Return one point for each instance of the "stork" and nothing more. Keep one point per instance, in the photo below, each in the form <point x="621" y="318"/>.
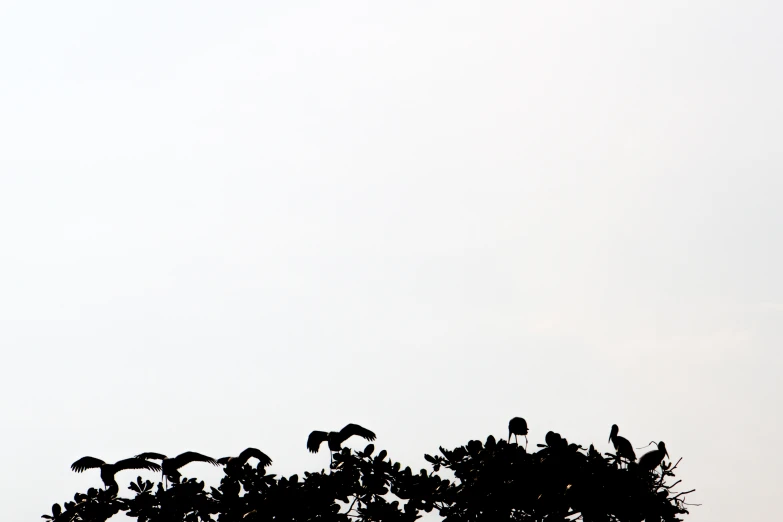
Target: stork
<point x="235" y="463"/>
<point x="517" y="426"/>
<point x="336" y="438"/>
<point x="622" y="446"/>
<point x="170" y="466"/>
<point x="652" y="459"/>
<point x="108" y="470"/>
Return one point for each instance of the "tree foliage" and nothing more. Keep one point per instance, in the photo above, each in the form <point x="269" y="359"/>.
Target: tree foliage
<point x="480" y="481"/>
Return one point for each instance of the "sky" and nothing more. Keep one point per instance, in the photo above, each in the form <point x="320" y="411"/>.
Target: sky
<point x="227" y="225"/>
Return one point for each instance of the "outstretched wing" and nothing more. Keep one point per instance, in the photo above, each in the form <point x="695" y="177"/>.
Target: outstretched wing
<point x="315" y="439"/>
<point x="257" y="453"/>
<point x="192" y="456"/>
<point x="136" y="463"/>
<point x="151" y="455"/>
<point x="355" y="429"/>
<point x="86" y="463"/>
<point x="223" y="461"/>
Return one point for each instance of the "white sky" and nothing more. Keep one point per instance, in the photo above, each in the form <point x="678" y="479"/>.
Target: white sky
<point x="225" y="225"/>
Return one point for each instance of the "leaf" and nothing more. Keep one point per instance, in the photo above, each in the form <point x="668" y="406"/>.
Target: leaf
<point x="430" y="459"/>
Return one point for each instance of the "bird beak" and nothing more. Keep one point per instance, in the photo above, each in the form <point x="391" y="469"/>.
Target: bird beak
<point x="667" y="454"/>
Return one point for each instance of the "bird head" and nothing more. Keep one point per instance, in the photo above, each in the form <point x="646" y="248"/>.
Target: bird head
<point x="662" y="447"/>
<point x="615" y="430"/>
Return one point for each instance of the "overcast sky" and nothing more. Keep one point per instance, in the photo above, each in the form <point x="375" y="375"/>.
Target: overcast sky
<point x="228" y="224"/>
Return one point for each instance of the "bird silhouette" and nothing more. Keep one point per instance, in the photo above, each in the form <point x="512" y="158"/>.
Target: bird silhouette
<point x="652" y="459"/>
<point x="170" y="466"/>
<point x="234" y="463"/>
<point x="336" y="438"/>
<point x="108" y="470"/>
<point x="517" y="426"/>
<point x="622" y="446"/>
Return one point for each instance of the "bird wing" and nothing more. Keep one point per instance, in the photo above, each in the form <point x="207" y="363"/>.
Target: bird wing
<point x="223" y="461"/>
<point x="625" y="448"/>
<point x="192" y="456"/>
<point x="86" y="463"/>
<point x="355" y="429"/>
<point x="136" y="463"/>
<point x="151" y="455"/>
<point x="257" y="453"/>
<point x="315" y="439"/>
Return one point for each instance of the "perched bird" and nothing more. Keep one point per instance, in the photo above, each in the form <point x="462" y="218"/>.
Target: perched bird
<point x="622" y="446"/>
<point x="170" y="466"/>
<point x="652" y="459"/>
<point x="233" y="463"/>
<point x="336" y="438"/>
<point x="108" y="470"/>
<point x="517" y="426"/>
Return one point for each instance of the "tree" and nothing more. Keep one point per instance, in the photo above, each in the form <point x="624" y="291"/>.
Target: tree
<point x="489" y="481"/>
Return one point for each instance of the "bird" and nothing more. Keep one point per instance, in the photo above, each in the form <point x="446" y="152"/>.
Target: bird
<point x="652" y="459"/>
<point x="170" y="466"/>
<point x="233" y="463"/>
<point x="517" y="426"/>
<point x="108" y="470"/>
<point x="336" y="438"/>
<point x="622" y="445"/>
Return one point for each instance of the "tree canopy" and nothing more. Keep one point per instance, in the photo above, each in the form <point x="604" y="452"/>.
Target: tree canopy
<point x="481" y="481"/>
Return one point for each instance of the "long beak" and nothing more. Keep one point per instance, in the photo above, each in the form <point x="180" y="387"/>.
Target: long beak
<point x="610" y="438"/>
<point x="667" y="454"/>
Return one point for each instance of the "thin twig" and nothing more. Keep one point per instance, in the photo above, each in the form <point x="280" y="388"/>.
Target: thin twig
<point x="683" y="493"/>
<point x="355" y="498"/>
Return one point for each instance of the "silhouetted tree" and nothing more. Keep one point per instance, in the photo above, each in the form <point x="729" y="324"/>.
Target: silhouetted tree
<point x="487" y="481"/>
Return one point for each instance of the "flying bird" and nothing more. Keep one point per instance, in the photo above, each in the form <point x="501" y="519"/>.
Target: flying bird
<point x="170" y="466"/>
<point x="622" y="446"/>
<point x="233" y="463"/>
<point x="108" y="470"/>
<point x="517" y="426"/>
<point x="336" y="438"/>
<point x="652" y="459"/>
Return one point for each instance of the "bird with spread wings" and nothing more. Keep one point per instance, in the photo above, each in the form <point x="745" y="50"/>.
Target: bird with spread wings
<point x="336" y="438"/>
<point x="235" y="463"/>
<point x="108" y="470"/>
<point x="170" y="466"/>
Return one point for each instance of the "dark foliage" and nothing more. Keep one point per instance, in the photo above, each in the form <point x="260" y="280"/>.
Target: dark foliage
<point x="490" y="481"/>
